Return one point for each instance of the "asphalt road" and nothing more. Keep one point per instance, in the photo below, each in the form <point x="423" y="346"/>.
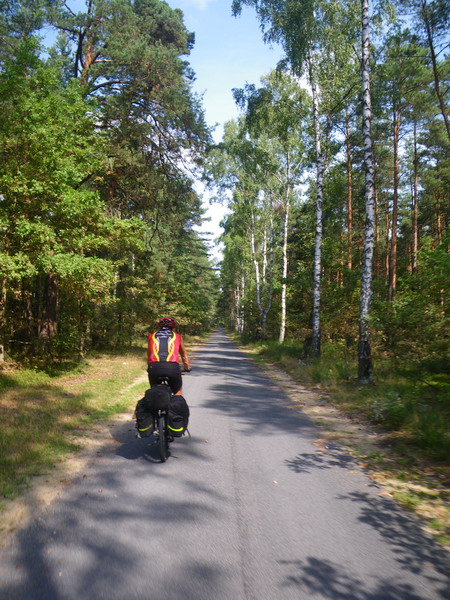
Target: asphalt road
<point x="248" y="508"/>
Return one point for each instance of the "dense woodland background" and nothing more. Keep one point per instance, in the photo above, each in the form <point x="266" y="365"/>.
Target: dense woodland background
<point x="101" y="140"/>
<point x="336" y="176"/>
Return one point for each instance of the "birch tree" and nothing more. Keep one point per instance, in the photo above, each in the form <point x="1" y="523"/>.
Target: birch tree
<point x="243" y="164"/>
<point x="294" y="25"/>
<point x="263" y="260"/>
<point x="280" y="109"/>
<point x="365" y="369"/>
<point x="307" y="32"/>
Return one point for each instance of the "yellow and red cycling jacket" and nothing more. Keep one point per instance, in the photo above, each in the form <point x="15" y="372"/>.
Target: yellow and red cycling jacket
<point x="164" y="346"/>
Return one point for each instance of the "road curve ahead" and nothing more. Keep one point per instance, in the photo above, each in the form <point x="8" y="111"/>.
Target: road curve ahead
<point x="248" y="508"/>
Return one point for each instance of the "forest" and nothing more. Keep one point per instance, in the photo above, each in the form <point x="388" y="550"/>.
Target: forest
<point x="336" y="245"/>
<point x="101" y="140"/>
<point x="335" y="175"/>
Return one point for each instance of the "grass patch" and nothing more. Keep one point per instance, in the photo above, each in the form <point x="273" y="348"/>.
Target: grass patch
<point x="407" y="501"/>
<point x="43" y="408"/>
<point x="41" y="412"/>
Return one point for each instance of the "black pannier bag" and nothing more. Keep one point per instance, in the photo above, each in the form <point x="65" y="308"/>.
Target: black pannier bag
<point x="145" y="420"/>
<point x="178" y="416"/>
<point x="157" y="398"/>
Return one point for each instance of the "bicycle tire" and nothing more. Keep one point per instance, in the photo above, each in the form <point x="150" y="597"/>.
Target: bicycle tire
<point x="163" y="441"/>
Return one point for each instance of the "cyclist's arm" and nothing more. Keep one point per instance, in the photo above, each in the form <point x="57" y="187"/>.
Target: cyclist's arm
<point x="184" y="356"/>
<point x="149" y="347"/>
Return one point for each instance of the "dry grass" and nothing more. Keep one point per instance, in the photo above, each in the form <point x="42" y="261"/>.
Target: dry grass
<point x="45" y="414"/>
<point x="41" y="414"/>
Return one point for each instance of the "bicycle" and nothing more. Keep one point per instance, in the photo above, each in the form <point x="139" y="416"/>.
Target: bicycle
<point x="161" y="425"/>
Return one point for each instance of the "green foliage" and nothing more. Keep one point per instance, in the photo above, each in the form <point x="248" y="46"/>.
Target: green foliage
<point x="409" y="332"/>
<point x="261" y="161"/>
<point x="97" y="214"/>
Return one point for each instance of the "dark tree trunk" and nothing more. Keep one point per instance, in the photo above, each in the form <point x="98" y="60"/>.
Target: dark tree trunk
<point x="387" y="220"/>
<point x="349" y="195"/>
<point x="2" y="318"/>
<point x="438" y="218"/>
<point x="49" y="320"/>
<point x="392" y="278"/>
<point x="377" y="238"/>
<point x="437" y="87"/>
<point x="415" y="207"/>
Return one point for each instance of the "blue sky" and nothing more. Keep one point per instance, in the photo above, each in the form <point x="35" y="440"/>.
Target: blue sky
<point x="228" y="53"/>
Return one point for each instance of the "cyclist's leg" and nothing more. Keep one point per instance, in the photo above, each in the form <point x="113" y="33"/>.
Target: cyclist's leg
<point x="174" y="378"/>
<point x="173" y="373"/>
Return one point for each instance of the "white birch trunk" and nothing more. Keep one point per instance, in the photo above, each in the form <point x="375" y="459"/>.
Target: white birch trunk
<point x="268" y="262"/>
<point x="285" y="254"/>
<point x="316" y="334"/>
<point x="241" y="321"/>
<point x="364" y="350"/>
<point x="255" y="262"/>
<point x="266" y="309"/>
<point x="264" y="262"/>
<point x="235" y="309"/>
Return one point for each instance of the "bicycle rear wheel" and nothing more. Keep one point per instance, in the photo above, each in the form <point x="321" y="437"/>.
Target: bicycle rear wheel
<point x="163" y="442"/>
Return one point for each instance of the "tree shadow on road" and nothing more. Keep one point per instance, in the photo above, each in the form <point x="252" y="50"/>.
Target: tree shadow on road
<point x="243" y="391"/>
<point x="416" y="551"/>
<point x="330" y="457"/>
<point x="321" y="578"/>
<point x="259" y="407"/>
<point x="411" y="547"/>
<point x="102" y="537"/>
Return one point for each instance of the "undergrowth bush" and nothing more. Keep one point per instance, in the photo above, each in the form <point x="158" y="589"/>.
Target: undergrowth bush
<point x="388" y="410"/>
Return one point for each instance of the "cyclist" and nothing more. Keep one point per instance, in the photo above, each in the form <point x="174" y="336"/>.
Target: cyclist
<point x="164" y="346"/>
